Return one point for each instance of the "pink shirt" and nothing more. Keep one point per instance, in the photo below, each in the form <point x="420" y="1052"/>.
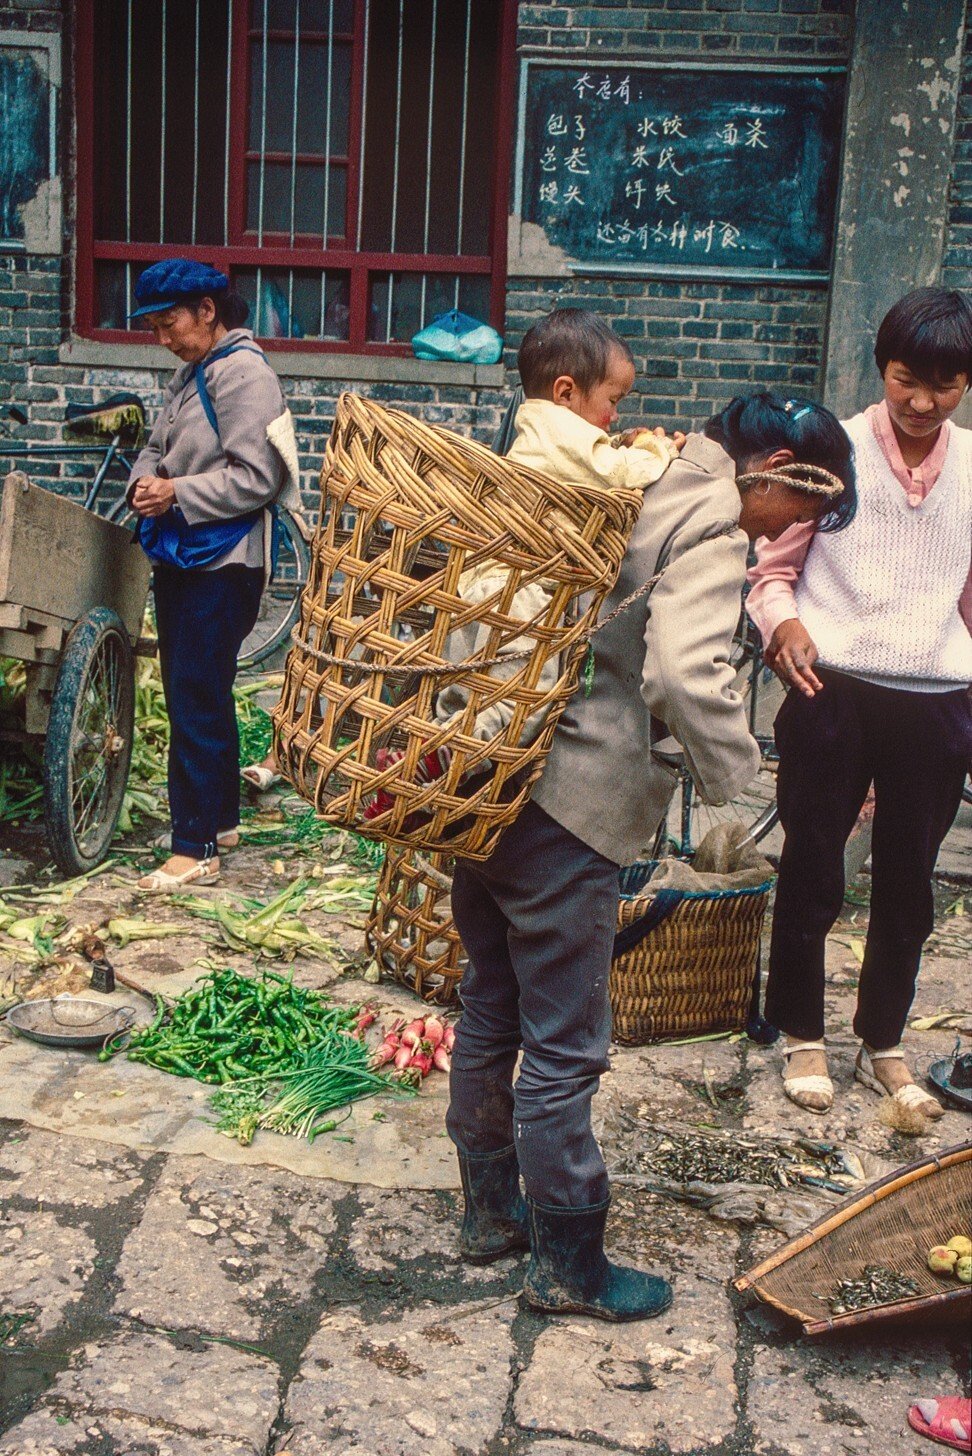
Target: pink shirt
<point x="779" y="563"/>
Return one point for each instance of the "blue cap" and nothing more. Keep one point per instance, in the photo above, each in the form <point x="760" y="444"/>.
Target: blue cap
<point x="174" y="280"/>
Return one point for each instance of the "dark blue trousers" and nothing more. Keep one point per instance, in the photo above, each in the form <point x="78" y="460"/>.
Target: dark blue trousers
<point x="537" y="920"/>
<point x="202" y="618"/>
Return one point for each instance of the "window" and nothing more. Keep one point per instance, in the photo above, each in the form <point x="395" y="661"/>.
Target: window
<point x="345" y="161"/>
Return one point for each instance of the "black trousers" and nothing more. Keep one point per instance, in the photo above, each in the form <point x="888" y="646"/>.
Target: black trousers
<point x="916" y="749"/>
<point x="537" y="920"/>
<point x="202" y="618"/>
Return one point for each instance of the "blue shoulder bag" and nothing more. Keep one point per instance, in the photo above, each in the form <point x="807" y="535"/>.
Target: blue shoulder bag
<point x="169" y="538"/>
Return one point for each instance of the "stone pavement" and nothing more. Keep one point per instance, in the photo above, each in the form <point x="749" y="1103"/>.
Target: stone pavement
<point x="161" y="1296"/>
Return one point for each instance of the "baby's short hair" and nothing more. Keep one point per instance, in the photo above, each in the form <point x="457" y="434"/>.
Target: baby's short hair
<point x="570" y="341"/>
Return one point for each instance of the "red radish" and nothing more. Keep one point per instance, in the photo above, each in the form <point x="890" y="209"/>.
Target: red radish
<point x="449" y="1039"/>
<point x="402" y="1058"/>
<point x="441" y="1059"/>
<point x="434" y="1030"/>
<point x="366" y="1018"/>
<point x="422" y="1062"/>
<point x="385" y="1053"/>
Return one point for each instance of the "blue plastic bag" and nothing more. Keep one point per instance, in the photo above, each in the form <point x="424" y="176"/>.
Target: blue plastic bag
<point x="458" y="337"/>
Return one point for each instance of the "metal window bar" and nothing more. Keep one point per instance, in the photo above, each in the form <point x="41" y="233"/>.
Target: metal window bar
<point x="128" y="127"/>
<point x="462" y="147"/>
<point x="165" y="31"/>
<point x="293" y="128"/>
<point x="398" y="135"/>
<point x="428" y="155"/>
<point x="364" y="122"/>
<point x="195" y="128"/>
<point x="327" y="124"/>
<point x="263" y="136"/>
<point x="226" y="143"/>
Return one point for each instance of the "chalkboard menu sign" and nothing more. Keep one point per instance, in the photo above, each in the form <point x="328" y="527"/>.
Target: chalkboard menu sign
<point x="682" y="169"/>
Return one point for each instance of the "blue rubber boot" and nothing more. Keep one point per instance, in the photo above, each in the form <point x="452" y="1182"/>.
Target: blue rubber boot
<point x="495" y="1220"/>
<point x="569" y="1272"/>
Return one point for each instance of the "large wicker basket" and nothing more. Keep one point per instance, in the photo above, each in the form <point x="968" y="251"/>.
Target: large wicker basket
<point x="893" y="1222"/>
<point x="684" y="960"/>
<point x="406" y="509"/>
<point x="411" y="931"/>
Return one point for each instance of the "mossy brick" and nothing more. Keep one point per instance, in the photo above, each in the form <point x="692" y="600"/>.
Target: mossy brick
<point x="719" y="42"/>
<point x="699" y="329"/>
<point x="660" y="328"/>
<point x="769" y="333"/>
<point x="735" y="371"/>
<point x="577" y="40"/>
<point x="618" y="16"/>
<point x="737" y="329"/>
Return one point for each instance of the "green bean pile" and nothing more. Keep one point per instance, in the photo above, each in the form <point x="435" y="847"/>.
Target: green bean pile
<point x="227" y="1027"/>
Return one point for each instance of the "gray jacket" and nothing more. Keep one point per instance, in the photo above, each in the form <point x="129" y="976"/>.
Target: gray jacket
<point x="232" y="475"/>
<point x="661" y="667"/>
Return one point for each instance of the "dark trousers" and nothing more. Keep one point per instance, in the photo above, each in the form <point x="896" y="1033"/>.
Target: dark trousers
<point x="202" y="618"/>
<point x="537" y="920"/>
<point x="915" y="748"/>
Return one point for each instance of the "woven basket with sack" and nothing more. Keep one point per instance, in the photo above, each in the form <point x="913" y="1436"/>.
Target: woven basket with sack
<point x="687" y="946"/>
<point x="407" y="511"/>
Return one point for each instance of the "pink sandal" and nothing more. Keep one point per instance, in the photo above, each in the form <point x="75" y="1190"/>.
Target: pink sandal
<point x="948" y="1421"/>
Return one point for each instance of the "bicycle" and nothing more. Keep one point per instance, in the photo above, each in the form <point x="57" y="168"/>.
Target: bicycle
<point x="115" y="428"/>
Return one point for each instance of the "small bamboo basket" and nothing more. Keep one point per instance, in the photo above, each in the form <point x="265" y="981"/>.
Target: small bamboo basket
<point x="411" y="932"/>
<point x="893" y="1222"/>
<point x="684" y="960"/>
<point x="406" y="509"/>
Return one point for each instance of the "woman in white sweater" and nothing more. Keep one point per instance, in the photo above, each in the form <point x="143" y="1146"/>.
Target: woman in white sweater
<point x="871" y="629"/>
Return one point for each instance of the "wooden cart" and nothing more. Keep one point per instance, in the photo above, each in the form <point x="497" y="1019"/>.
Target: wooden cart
<point x="73" y="588"/>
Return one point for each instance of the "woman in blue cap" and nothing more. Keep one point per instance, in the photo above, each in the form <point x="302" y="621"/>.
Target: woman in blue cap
<point x="221" y="453"/>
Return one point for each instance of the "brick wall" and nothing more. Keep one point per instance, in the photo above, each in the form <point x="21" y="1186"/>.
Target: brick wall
<point x="957" y="262"/>
<point x="695" y="344"/>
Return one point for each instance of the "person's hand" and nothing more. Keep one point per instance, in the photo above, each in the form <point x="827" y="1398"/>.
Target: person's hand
<point x="675" y="441"/>
<point x="791" y="655"/>
<point x="152" y="495"/>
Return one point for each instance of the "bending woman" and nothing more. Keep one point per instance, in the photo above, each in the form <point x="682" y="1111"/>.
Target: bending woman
<point x="538" y="918"/>
<point x="202" y="487"/>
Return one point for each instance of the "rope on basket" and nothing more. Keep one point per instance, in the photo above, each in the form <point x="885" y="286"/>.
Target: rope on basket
<point x="812" y="478"/>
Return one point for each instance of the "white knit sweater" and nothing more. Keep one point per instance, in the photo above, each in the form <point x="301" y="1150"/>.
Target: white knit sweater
<point x="880" y="598"/>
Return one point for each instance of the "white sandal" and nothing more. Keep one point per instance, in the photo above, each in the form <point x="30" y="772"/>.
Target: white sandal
<point x="911" y="1096"/>
<point x="160" y="881"/>
<point x="259" y="778"/>
<point x="799" y="1088"/>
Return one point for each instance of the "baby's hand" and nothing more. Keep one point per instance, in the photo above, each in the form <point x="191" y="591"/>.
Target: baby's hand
<point x="641" y="434"/>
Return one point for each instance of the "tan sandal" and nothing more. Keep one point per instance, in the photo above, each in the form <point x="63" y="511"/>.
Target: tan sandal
<point x="160" y="882"/>
<point x="800" y="1089"/>
<point x="910" y="1096"/>
<point x="259" y="778"/>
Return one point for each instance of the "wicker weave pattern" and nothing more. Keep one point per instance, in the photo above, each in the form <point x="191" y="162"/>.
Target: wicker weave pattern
<point x="691" y="974"/>
<point x="411" y="931"/>
<point x="894" y="1222"/>
<point x="406" y="509"/>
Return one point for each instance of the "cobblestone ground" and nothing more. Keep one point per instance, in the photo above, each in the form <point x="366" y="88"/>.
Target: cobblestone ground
<point x="164" y="1304"/>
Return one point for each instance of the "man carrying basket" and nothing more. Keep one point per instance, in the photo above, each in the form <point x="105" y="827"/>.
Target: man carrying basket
<point x="538" y="918"/>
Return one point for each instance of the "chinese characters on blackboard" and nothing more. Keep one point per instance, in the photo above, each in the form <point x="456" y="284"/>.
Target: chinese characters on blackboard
<point x="683" y="167"/>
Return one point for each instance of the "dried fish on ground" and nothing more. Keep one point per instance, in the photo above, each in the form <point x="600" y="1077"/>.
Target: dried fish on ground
<point x="876" y="1285"/>
<point x="717" y="1158"/>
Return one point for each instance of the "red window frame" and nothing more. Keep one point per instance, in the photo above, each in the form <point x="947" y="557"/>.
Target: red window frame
<point x="242" y="249"/>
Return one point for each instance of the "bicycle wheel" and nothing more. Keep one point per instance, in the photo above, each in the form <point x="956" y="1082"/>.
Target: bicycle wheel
<point x="280" y="603"/>
<point x="88" y="747"/>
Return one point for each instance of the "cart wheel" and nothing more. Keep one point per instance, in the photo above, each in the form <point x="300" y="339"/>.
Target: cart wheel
<point x="89" y="741"/>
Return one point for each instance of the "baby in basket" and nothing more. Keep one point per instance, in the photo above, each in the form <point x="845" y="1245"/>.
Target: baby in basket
<point x="575" y="370"/>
